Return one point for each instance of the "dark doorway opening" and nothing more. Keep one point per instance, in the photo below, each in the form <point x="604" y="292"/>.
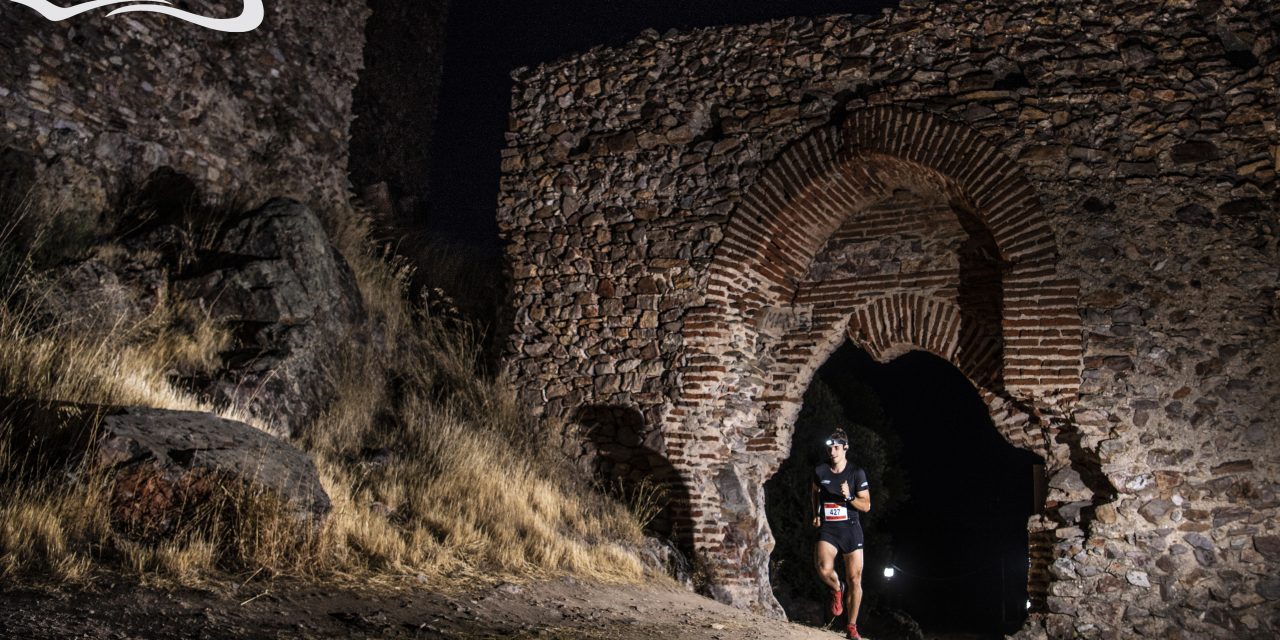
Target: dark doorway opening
<point x="950" y="500"/>
<point x="615" y="455"/>
<point x="622" y="463"/>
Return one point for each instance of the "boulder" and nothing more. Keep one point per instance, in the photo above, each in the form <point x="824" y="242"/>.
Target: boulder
<point x="661" y="556"/>
<point x="288" y="298"/>
<point x="164" y="464"/>
<point x="271" y="277"/>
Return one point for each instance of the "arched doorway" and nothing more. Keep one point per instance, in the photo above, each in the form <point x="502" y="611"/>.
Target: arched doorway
<point x="951" y="499"/>
<point x="621" y="456"/>
<point x="898" y="231"/>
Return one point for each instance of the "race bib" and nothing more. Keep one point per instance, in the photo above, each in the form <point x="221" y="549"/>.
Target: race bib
<point x="834" y="512"/>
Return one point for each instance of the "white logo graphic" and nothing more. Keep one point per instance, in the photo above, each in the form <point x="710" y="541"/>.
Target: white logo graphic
<point x="248" y="20"/>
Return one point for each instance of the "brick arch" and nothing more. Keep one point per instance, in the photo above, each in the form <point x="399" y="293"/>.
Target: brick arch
<point x="889" y="325"/>
<point x="754" y="345"/>
<point x="812" y="186"/>
<point x="885" y="326"/>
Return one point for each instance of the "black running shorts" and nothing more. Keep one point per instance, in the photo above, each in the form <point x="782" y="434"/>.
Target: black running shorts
<point x="845" y="539"/>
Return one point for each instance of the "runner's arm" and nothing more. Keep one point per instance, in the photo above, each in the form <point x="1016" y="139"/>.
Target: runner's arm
<point x="861" y="500"/>
<point x="814" y="500"/>
<point x="862" y="493"/>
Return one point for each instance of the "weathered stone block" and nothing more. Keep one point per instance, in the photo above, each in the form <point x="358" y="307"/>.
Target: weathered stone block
<point x="288" y="296"/>
<point x="168" y="465"/>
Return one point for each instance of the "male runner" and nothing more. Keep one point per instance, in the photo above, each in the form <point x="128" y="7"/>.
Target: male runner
<point x="837" y="486"/>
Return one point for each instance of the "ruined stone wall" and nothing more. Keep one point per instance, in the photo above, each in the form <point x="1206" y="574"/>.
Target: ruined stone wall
<point x="94" y="103"/>
<point x="1093" y="187"/>
<point x="395" y="106"/>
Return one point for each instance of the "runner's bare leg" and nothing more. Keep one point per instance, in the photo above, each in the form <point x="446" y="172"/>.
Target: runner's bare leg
<point x="853" y="592"/>
<point x="824" y="560"/>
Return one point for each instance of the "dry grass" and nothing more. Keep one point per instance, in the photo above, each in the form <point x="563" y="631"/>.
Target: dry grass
<point x="128" y="366"/>
<point x="461" y="487"/>
<point x="448" y="456"/>
<point x="44" y="529"/>
<point x="434" y="471"/>
<point x="645" y="500"/>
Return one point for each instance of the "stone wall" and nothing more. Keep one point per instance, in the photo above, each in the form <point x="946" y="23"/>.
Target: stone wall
<point x="1073" y="204"/>
<point x="93" y="104"/>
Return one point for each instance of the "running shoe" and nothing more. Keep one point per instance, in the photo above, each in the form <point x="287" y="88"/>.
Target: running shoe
<point x="853" y="633"/>
<point x="837" y="600"/>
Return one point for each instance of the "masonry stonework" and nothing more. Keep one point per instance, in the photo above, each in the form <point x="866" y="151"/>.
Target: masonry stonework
<point x="93" y="104"/>
<point x="1074" y="205"/>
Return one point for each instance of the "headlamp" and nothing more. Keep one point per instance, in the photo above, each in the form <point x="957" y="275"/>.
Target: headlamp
<point x="832" y="443"/>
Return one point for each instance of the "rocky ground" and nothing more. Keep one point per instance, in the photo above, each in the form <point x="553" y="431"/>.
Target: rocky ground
<point x="564" y="608"/>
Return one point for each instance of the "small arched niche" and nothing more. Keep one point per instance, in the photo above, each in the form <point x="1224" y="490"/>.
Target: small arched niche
<point x="621" y="456"/>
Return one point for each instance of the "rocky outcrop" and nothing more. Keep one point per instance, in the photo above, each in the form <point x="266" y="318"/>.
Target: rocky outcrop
<point x="288" y="298"/>
<point x="662" y="557"/>
<point x="166" y="465"/>
<point x="269" y="276"/>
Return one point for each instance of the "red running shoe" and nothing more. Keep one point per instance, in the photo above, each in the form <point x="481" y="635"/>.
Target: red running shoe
<point x="837" y="600"/>
<point x="853" y="633"/>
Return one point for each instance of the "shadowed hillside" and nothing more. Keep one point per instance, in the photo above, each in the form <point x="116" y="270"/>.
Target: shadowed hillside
<point x="433" y="472"/>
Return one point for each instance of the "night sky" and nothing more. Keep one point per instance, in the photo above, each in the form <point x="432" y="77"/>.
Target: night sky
<point x="963" y="533"/>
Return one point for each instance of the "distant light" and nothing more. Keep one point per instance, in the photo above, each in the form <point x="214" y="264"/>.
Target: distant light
<point x="888" y="572"/>
<point x="1028" y="604"/>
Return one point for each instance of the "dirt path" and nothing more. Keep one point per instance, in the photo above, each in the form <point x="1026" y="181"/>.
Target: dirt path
<point x="558" y="609"/>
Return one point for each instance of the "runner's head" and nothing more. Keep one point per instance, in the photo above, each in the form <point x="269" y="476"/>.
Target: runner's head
<point x="837" y="444"/>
